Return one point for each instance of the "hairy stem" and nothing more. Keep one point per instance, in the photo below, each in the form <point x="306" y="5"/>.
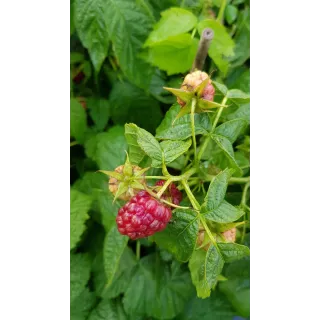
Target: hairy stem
<point x="206" y="37"/>
<point x="138" y="245"/>
<point x="221" y="11"/>
<point x="243" y="204"/>
<point x="165" y="201"/>
<point x="164" y="187"/>
<point x="244" y="194"/>
<point x="193" y="107"/>
<point x="196" y="206"/>
<point x="203" y="221"/>
<point x="73" y="143"/>
<point x="190" y="195"/>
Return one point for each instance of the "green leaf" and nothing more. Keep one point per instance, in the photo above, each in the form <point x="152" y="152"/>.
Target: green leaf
<point x="217" y="307"/>
<point x="180" y="235"/>
<point x="222" y="44"/>
<point x="225" y="145"/>
<point x="76" y="57"/>
<point x="114" y="245"/>
<point x="174" y="21"/>
<point x="108" y="310"/>
<point x="99" y="110"/>
<point x="128" y="28"/>
<point x="242" y="39"/>
<point x="243" y="111"/>
<point x="79" y="273"/>
<point x="233" y="251"/>
<point x="237" y="287"/>
<point x="220" y="88"/>
<point x="82" y="304"/>
<point x="239" y="78"/>
<point x="148" y="143"/>
<point x="135" y="152"/>
<point x="231" y="129"/>
<point x="131" y="104"/>
<point x="231" y="13"/>
<point x="79" y="206"/>
<point x="173" y="149"/>
<point x="225" y="213"/>
<point x="217" y="190"/>
<point x="181" y="129"/>
<point x="205" y="267"/>
<point x="96" y="185"/>
<point x="123" y="275"/>
<point x="155" y="285"/>
<point x="108" y="148"/>
<point x="91" y="25"/>
<point x="175" y="54"/>
<point x="78" y="120"/>
<point x="238" y="94"/>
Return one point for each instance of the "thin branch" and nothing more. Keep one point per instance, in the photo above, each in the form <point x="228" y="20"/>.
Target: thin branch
<point x="206" y="37"/>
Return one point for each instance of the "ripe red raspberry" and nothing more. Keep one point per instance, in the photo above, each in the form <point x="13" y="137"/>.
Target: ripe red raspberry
<point x="142" y="216"/>
<point x="172" y="194"/>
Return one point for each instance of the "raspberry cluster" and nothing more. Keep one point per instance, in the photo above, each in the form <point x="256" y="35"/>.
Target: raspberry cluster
<point x="144" y="215"/>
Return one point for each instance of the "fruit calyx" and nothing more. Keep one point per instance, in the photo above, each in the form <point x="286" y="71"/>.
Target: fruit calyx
<point x="126" y="180"/>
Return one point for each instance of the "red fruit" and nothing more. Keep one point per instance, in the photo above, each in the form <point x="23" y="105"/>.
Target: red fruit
<point x="172" y="194"/>
<point x="78" y="77"/>
<point x="142" y="216"/>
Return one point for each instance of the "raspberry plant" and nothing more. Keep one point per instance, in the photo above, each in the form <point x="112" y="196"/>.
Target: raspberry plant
<point x="160" y="154"/>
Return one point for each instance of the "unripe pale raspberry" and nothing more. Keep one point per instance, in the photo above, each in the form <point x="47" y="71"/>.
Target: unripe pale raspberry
<point x="113" y="184"/>
<point x="192" y="80"/>
<point x="230" y="235"/>
<point x="142" y="216"/>
<point x="200" y="240"/>
<point x="172" y="194"/>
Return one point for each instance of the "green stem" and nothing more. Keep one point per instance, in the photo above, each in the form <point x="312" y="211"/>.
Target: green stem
<point x="156" y="177"/>
<point x="188" y="173"/>
<point x="185" y="176"/>
<point x="243" y="204"/>
<point x="221" y="11"/>
<point x="138" y="245"/>
<point x="165" y="201"/>
<point x="193" y="107"/>
<point x="196" y="206"/>
<point x="193" y="32"/>
<point x="231" y="180"/>
<point x="208" y="138"/>
<point x="73" y="143"/>
<point x="203" y="221"/>
<point x="243" y="229"/>
<point x="190" y="195"/>
<point x="244" y="194"/>
<point x="164" y="187"/>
